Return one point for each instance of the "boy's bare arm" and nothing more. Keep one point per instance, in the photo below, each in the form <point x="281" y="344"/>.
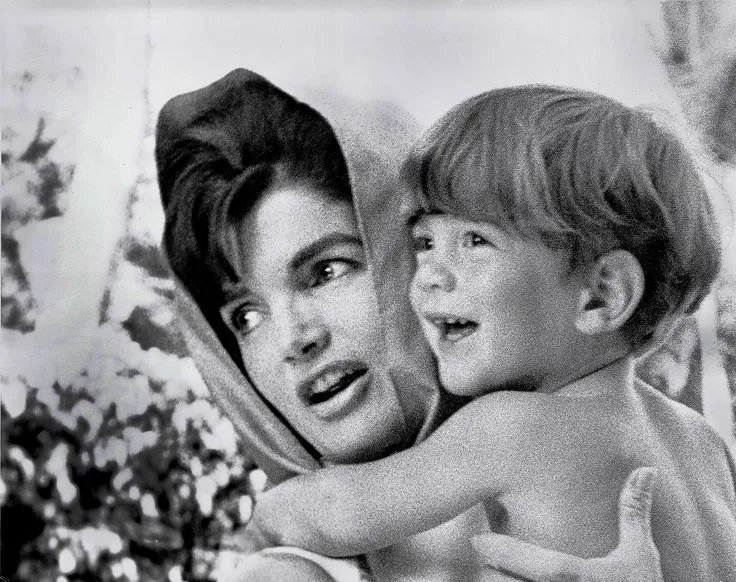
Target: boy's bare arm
<point x="355" y="509"/>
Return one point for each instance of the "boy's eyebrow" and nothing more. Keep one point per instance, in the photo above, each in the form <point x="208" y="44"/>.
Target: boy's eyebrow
<point x="419" y="214"/>
<point x="310" y="251"/>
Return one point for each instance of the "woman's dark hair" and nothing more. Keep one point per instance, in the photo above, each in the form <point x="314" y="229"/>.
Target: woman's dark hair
<point x="217" y="150"/>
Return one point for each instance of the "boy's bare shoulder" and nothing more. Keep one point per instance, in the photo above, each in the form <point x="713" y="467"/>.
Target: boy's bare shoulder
<point x="690" y="431"/>
<point x="505" y="413"/>
<point x="672" y="412"/>
<point x="505" y="405"/>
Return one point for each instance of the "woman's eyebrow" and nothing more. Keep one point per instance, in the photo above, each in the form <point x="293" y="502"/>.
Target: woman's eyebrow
<point x="310" y="251"/>
<point x="234" y="291"/>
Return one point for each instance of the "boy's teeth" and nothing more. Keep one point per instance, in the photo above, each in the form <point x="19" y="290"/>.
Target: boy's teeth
<point x="454" y="328"/>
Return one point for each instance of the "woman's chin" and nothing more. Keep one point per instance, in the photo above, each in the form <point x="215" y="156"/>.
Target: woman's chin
<point x="363" y="422"/>
<point x="363" y="452"/>
<point x="367" y="438"/>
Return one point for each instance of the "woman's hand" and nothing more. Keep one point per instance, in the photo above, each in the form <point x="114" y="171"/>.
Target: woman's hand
<point x="264" y="567"/>
<point x="256" y="536"/>
<point x="242" y="560"/>
<point x="635" y="559"/>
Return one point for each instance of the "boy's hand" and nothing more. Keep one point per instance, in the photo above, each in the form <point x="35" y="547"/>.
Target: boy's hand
<point x="635" y="559"/>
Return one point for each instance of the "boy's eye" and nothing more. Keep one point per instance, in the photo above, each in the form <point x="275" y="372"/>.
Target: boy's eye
<point x="245" y="319"/>
<point x="326" y="271"/>
<point x="422" y="243"/>
<point x="473" y="239"/>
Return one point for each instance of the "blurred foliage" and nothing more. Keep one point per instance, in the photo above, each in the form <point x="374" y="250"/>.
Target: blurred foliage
<point x="33" y="188"/>
<point x="699" y="54"/>
<point x="129" y="472"/>
<point x="137" y="498"/>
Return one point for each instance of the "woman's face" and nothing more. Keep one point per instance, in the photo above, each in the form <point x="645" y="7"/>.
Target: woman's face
<point x="306" y="320"/>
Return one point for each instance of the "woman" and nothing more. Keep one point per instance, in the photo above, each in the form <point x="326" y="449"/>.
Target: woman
<point x="312" y="363"/>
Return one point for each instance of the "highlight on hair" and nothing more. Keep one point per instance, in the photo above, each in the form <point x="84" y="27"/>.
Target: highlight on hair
<point x="579" y="171"/>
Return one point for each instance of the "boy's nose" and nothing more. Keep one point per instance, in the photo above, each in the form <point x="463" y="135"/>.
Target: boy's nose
<point x="434" y="276"/>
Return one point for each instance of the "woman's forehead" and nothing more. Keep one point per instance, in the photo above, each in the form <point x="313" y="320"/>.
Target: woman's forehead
<point x="287" y="228"/>
<point x="297" y="207"/>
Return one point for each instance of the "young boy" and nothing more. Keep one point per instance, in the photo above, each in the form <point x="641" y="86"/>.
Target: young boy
<point x="559" y="236"/>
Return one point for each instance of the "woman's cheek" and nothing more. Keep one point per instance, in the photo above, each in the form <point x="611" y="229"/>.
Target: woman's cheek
<point x="357" y="310"/>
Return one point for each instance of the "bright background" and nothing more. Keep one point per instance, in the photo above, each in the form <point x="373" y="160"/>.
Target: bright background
<point x="106" y="73"/>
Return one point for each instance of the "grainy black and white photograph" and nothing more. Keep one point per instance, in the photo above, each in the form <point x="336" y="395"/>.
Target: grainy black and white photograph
<point x="368" y="291"/>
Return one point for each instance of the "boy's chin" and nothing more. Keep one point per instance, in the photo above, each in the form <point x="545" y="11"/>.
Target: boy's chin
<point x="461" y="384"/>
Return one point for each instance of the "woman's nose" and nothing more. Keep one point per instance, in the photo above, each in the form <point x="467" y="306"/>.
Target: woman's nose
<point x="304" y="337"/>
<point x="434" y="276"/>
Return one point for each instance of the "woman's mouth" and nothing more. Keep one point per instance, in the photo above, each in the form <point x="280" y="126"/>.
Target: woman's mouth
<point x="453" y="329"/>
<point x="336" y="390"/>
<point x="330" y="383"/>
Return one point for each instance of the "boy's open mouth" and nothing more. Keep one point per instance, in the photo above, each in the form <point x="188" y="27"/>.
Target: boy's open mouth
<point x="454" y="329"/>
<point x="330" y="382"/>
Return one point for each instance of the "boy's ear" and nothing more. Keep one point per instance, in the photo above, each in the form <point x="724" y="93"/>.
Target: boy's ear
<point x="615" y="285"/>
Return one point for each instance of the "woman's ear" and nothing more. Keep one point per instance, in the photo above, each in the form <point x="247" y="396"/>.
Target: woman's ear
<point x="615" y="285"/>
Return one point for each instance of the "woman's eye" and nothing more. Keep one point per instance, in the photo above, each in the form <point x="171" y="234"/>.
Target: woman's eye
<point x="326" y="271"/>
<point x="473" y="239"/>
<point x="245" y="319"/>
<point x="422" y="243"/>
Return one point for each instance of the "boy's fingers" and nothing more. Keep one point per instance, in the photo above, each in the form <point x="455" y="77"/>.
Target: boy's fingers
<point x="526" y="561"/>
<point x="635" y="554"/>
<point x="635" y="508"/>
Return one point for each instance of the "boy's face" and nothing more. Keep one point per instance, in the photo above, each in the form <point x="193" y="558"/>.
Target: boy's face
<point x="498" y="310"/>
<point x="306" y="319"/>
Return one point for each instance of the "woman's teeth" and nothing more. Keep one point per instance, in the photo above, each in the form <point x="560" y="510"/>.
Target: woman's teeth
<point x="332" y="382"/>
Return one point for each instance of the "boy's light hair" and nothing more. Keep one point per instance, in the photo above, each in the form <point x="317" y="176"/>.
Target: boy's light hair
<point x="579" y="171"/>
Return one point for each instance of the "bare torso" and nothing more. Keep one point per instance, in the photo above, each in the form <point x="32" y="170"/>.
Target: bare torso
<point x="581" y="450"/>
<point x="440" y="554"/>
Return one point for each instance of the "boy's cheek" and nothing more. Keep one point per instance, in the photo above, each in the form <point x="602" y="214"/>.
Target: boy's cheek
<point x="461" y="379"/>
<point x="430" y="334"/>
<point x="414" y="295"/>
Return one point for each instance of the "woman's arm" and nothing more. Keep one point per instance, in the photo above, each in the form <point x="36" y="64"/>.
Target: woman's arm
<point x="355" y="509"/>
<point x="635" y="559"/>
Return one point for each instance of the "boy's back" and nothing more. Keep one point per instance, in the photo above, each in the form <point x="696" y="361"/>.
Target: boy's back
<point x="579" y="451"/>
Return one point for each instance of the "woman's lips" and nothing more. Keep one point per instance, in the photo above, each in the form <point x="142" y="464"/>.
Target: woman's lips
<point x="331" y="383"/>
<point x="333" y="389"/>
